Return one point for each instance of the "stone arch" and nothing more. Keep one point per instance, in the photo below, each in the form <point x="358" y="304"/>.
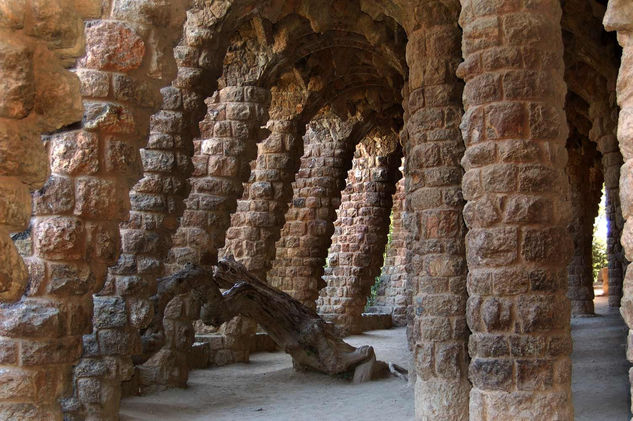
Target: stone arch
<point x="152" y="369"/>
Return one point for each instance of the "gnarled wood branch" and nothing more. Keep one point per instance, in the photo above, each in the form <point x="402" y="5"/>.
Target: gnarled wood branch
<point x="295" y="328"/>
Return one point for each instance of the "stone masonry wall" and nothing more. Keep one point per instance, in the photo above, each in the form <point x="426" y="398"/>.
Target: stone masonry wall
<point x="309" y="223"/>
<point x="517" y="245"/>
<point x="157" y="200"/>
<point x="360" y="235"/>
<point x="40" y="334"/>
<point x="257" y="222"/>
<point x="619" y="17"/>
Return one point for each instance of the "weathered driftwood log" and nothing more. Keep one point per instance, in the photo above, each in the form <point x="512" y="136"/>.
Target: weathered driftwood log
<point x="296" y="329"/>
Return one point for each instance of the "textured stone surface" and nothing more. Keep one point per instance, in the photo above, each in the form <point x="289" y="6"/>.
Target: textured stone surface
<point x="220" y="164"/>
<point x="618" y="18"/>
<point x="133" y="161"/>
<point x="511" y="375"/>
<point x="435" y="262"/>
<point x="39" y="335"/>
<point x="585" y="179"/>
<point x="392" y="295"/>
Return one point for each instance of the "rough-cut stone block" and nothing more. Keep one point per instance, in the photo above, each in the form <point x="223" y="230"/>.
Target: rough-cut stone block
<point x="17" y="87"/>
<point x="112" y="46"/>
<point x="74" y="153"/>
<point x="59" y="238"/>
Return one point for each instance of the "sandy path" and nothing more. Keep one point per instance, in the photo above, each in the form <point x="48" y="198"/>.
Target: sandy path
<point x="599" y="368"/>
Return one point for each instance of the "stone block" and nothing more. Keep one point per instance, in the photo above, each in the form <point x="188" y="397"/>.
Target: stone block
<point x="112" y="46"/>
<point x="74" y="153"/>
<point x="96" y="198"/>
<point x="59" y="238"/>
<point x="17" y="87"/>
<point x="32" y="319"/>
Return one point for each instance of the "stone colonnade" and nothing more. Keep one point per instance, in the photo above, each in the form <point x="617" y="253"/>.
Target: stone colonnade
<point x="516" y="193"/>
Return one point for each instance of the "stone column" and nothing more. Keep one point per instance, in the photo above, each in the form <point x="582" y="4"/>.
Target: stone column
<point x="309" y="223"/>
<point x="434" y="205"/>
<point x="392" y="295"/>
<point x="585" y="179"/>
<point x="38" y="341"/>
<point x="257" y="223"/>
<point x="360" y="235"/>
<point x="619" y="17"/>
<point x="518" y="210"/>
<point x="604" y="130"/>
<point x="230" y="132"/>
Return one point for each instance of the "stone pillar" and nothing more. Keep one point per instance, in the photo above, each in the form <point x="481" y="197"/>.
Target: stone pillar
<point x="309" y="223"/>
<point x="434" y="205"/>
<point x="40" y="333"/>
<point x="391" y="296"/>
<point x="617" y="263"/>
<point x="230" y="132"/>
<point x="619" y="17"/>
<point x="361" y="228"/>
<point x="518" y="210"/>
<point x="603" y="132"/>
<point x="585" y="179"/>
<point x="128" y="60"/>
<point x="257" y="223"/>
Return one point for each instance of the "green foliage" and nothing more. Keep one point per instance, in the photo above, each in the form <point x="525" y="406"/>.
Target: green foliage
<point x="371" y="299"/>
<point x="598" y="255"/>
<point x="598" y="245"/>
<point x="373" y="293"/>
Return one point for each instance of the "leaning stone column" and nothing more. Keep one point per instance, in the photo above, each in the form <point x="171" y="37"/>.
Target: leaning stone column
<point x="361" y="230"/>
<point x="517" y="212"/>
<point x="585" y="179"/>
<point x="392" y="295"/>
<point x="611" y="163"/>
<point x="309" y="223"/>
<point x="603" y="133"/>
<point x="434" y="205"/>
<point x="257" y="223"/>
<point x="230" y="132"/>
<point x="42" y="315"/>
<point x="619" y="17"/>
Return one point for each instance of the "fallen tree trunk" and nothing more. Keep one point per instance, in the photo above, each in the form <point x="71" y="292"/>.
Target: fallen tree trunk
<point x="295" y="328"/>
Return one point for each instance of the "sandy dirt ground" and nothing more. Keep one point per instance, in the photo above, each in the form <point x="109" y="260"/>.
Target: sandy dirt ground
<point x="599" y="368"/>
<point x="268" y="389"/>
